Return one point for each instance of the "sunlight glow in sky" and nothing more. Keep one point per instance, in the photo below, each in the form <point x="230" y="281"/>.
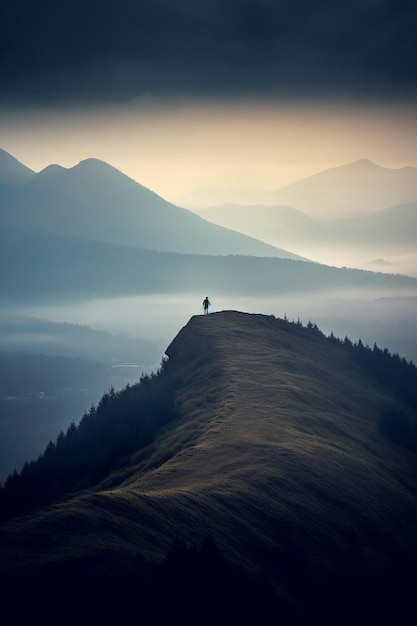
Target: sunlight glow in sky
<point x="177" y="149"/>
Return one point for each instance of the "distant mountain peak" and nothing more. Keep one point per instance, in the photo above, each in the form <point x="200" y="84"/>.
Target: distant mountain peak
<point x="368" y="165"/>
<point x="92" y="171"/>
<point x="354" y="188"/>
<point x="93" y="164"/>
<point x="364" y="165"/>
<point x="354" y="167"/>
<point x="94" y="200"/>
<point x="364" y="162"/>
<point x="52" y="169"/>
<point x="89" y="165"/>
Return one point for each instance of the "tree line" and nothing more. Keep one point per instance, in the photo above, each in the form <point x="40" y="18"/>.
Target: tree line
<point x="388" y="369"/>
<point x="391" y="371"/>
<point x="122" y="422"/>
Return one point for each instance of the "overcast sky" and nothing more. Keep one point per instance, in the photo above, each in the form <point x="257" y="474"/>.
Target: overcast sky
<point x="167" y="75"/>
<point x="105" y="50"/>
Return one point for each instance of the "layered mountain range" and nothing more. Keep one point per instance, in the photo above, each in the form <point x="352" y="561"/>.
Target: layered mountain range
<point x="91" y="236"/>
<point x="353" y="189"/>
<point x="360" y="215"/>
<point x="95" y="202"/>
<point x="91" y="230"/>
<point x="387" y="229"/>
<point x="266" y="471"/>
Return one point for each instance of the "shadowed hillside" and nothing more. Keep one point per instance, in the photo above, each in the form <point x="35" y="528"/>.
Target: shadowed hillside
<point x="281" y="476"/>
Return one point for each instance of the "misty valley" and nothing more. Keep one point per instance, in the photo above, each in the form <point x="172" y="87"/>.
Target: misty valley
<point x="96" y="267"/>
<point x="256" y="473"/>
<point x="208" y="313"/>
<point x="126" y="337"/>
<point x="126" y="409"/>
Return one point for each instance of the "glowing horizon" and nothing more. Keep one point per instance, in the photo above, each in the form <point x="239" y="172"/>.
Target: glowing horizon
<point x="175" y="150"/>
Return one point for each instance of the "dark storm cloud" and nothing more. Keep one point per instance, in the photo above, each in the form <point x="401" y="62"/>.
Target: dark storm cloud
<point x="89" y="51"/>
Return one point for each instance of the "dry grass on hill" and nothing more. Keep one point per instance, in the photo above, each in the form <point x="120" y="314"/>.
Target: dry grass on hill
<point x="277" y="437"/>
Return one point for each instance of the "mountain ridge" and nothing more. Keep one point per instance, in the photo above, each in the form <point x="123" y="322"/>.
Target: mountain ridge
<point x="354" y="188"/>
<point x="90" y="168"/>
<point x="94" y="200"/>
<point x="277" y="435"/>
<point x="361" y="184"/>
<point x="390" y="232"/>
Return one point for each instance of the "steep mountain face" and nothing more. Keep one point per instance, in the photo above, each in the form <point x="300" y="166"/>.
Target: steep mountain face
<point x="12" y="172"/>
<point x="277" y="453"/>
<point x="95" y="201"/>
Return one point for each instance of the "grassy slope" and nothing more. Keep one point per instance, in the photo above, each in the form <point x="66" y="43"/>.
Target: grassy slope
<point x="278" y="443"/>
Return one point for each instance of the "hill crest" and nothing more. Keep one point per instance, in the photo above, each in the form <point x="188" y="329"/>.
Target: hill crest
<point x="275" y="451"/>
<point x="249" y="382"/>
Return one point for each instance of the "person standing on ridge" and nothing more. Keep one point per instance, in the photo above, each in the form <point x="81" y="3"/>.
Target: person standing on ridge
<point x="206" y="304"/>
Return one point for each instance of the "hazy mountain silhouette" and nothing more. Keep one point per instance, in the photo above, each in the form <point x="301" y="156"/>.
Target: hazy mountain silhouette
<point x="293" y="452"/>
<point x="40" y="267"/>
<point x="359" y="187"/>
<point x="95" y="201"/>
<point x="387" y="229"/>
<point x="12" y="172"/>
<point x="393" y="227"/>
<point x="270" y="222"/>
<point x="348" y="190"/>
<point x="23" y="333"/>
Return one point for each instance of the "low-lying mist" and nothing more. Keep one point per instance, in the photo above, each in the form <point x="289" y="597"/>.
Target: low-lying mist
<point x="129" y="336"/>
<point x="382" y="317"/>
<point x="394" y="261"/>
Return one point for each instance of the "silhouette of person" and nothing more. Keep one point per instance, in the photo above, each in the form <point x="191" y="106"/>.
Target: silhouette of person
<point x="206" y="304"/>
